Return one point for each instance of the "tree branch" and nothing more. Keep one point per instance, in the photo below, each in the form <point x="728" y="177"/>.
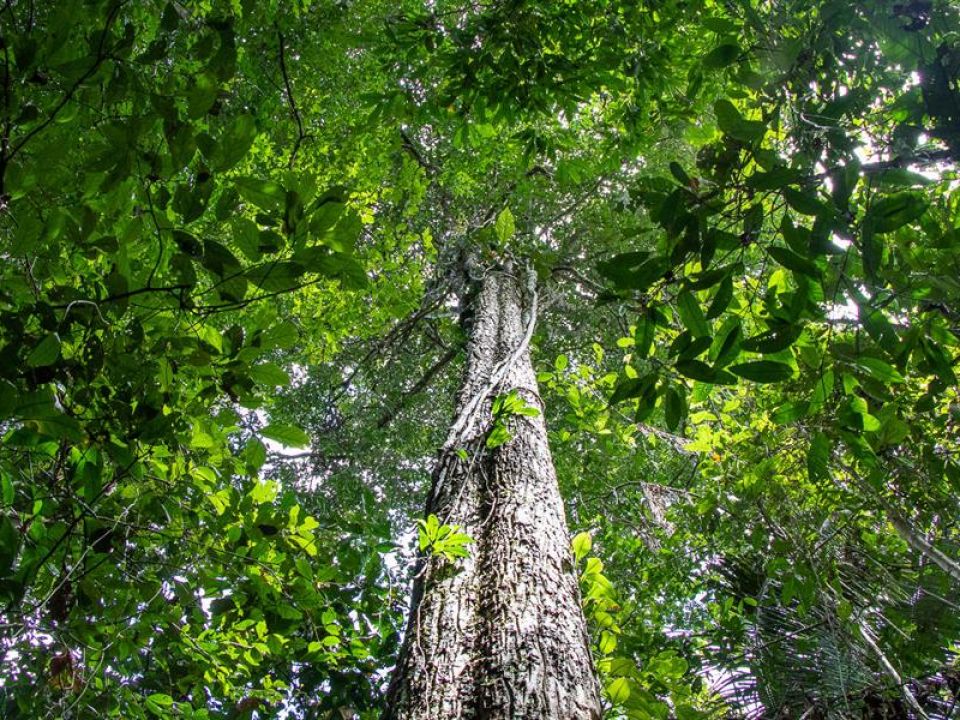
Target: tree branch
<point x="301" y="135"/>
<point x="418" y="387"/>
<point x="101" y="56"/>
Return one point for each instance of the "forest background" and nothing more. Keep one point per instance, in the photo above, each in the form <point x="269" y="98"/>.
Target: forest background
<point x="231" y="341"/>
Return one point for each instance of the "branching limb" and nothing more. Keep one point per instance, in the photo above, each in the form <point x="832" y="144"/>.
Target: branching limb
<point x="418" y="387"/>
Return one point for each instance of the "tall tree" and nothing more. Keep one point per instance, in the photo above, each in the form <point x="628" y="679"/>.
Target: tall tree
<point x="231" y="234"/>
<point x="498" y="633"/>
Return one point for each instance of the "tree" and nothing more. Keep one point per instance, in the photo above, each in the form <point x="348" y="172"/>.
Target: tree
<point x="501" y="634"/>
<point x="238" y="241"/>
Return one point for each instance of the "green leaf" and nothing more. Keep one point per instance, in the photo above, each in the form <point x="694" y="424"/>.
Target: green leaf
<point x="763" y="371"/>
<point x="619" y="268"/>
<point x="790" y="412"/>
<point x="774" y="340"/>
<point x="728" y="343"/>
<point x="40" y="408"/>
<point x="649" y="272"/>
<point x="793" y="261"/>
<point x="45" y="352"/>
<point x="721" y="300"/>
<point x="900" y="177"/>
<point x="618" y="689"/>
<point x="235" y="142"/>
<point x="721" y="56"/>
<point x="692" y="315"/>
<point x="627" y="388"/>
<point x="246" y="237"/>
<point x="288" y="435"/>
<point x="9" y="544"/>
<point x="732" y="123"/>
<point x="643" y="336"/>
<point x="582" y="543"/>
<point x="879" y="370"/>
<point x="265" y="194"/>
<point x="805" y="202"/>
<point x="504" y="226"/>
<point x="698" y="370"/>
<point x="893" y="212"/>
<point x="818" y="457"/>
<point x="276" y="277"/>
<point x="778" y="177"/>
<point x="283" y="336"/>
<point x="674" y="407"/>
<point x="607" y="643"/>
<point x="871" y="248"/>
<point x="264" y="492"/>
<point x="498" y="435"/>
<point x="680" y="174"/>
<point x="269" y="374"/>
<point x="159" y="704"/>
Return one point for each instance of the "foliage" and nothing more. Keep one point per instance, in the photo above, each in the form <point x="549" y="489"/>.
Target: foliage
<point x="229" y="230"/>
<point x="442" y="539"/>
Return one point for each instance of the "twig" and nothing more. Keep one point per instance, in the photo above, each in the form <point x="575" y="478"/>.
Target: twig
<point x="101" y="56"/>
<point x="414" y="151"/>
<point x="418" y="387"/>
<point x="293" y="103"/>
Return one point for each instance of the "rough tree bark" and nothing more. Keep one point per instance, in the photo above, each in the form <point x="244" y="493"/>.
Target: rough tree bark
<point x="499" y="634"/>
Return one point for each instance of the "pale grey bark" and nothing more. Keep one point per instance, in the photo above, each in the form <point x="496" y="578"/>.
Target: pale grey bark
<point x="499" y="635"/>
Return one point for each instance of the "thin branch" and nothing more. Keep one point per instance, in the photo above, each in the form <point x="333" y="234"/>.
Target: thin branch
<point x="101" y="56"/>
<point x="418" y="387"/>
<point x="122" y="296"/>
<point x="301" y="135"/>
<point x="416" y="154"/>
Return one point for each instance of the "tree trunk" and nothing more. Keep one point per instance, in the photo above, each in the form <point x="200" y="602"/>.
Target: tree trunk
<point x="499" y="634"/>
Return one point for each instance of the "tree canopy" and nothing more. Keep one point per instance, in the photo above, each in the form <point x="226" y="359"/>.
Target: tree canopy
<point x="230" y="341"/>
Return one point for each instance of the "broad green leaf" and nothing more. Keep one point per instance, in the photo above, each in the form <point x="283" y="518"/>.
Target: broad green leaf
<point x="805" y="202"/>
<point x="698" y="370"/>
<point x="763" y="371"/>
<point x="235" y="142"/>
<point x="721" y="56"/>
<point x="793" y="261"/>
<point x="269" y="374"/>
<point x="264" y="492"/>
<point x="644" y="335"/>
<point x="890" y="213"/>
<point x="45" y="352"/>
<point x="790" y="412"/>
<point x="721" y="300"/>
<point x="691" y="314"/>
<point x="779" y="177"/>
<point x="733" y="123"/>
<point x="680" y="174"/>
<point x="878" y="369"/>
<point x="618" y="689"/>
<point x="9" y="544"/>
<point x="818" y="457"/>
<point x="627" y="388"/>
<point x="504" y="226"/>
<point x="582" y="543"/>
<point x="288" y="435"/>
<point x="774" y="340"/>
<point x="265" y="194"/>
<point x="674" y="407"/>
<point x="282" y="336"/>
